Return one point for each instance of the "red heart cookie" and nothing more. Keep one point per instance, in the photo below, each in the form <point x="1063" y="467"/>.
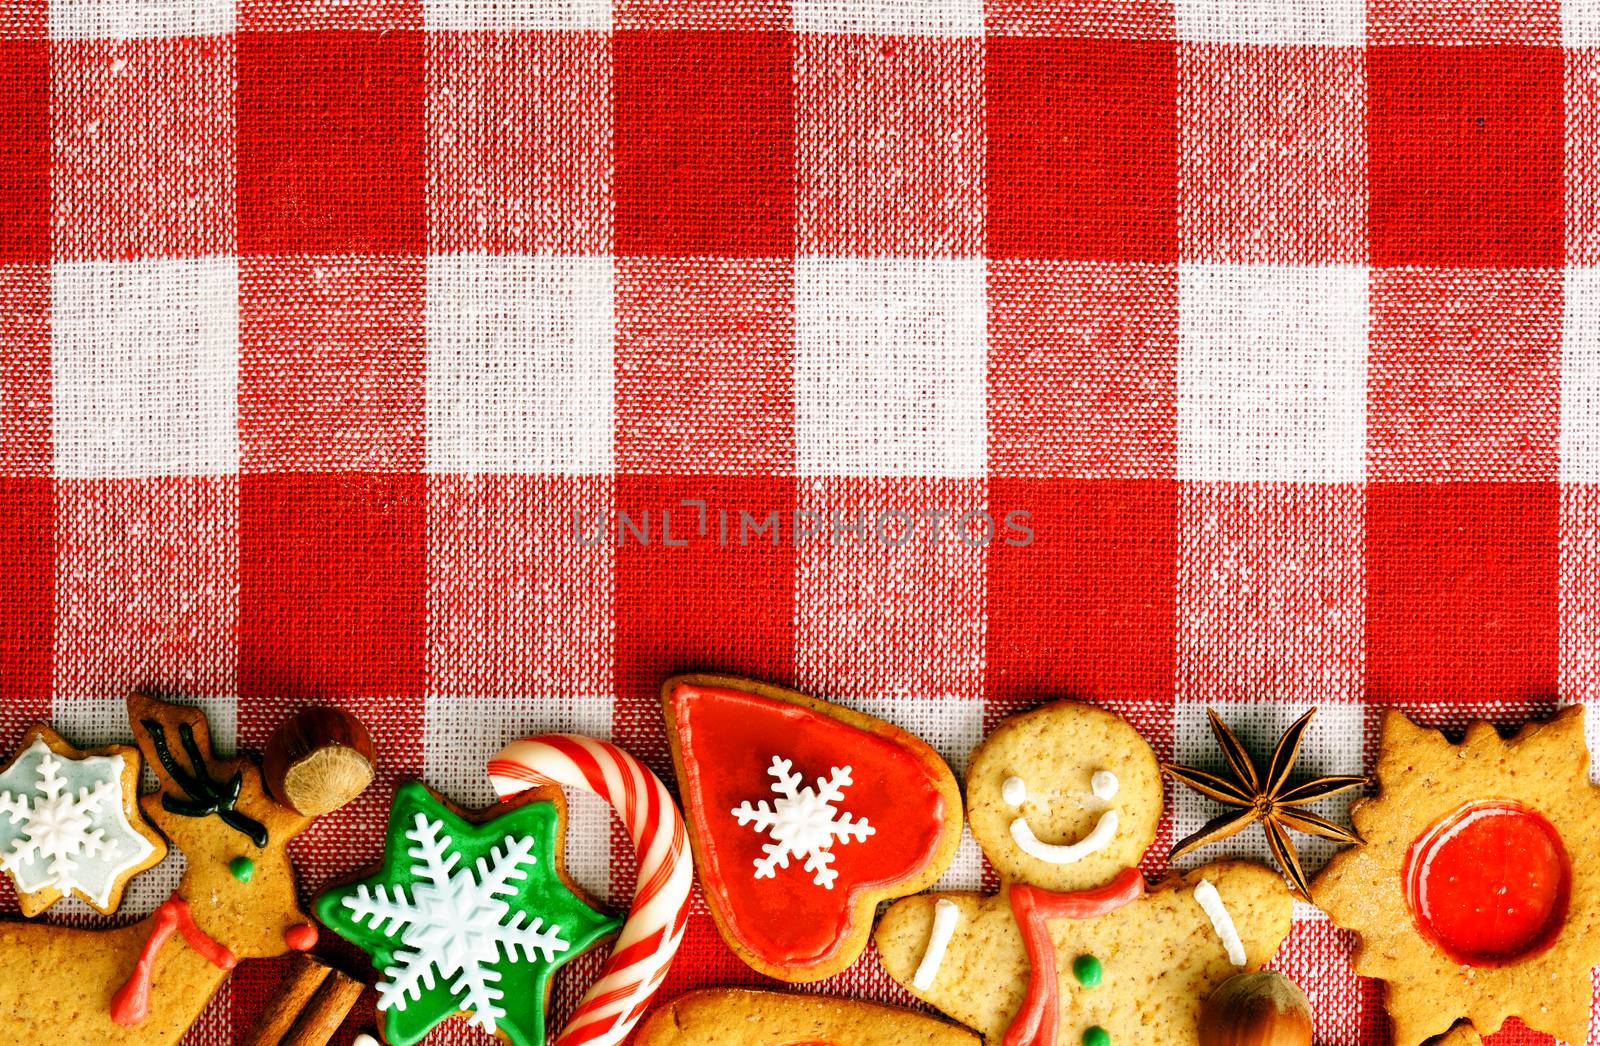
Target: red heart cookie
<point x="803" y="816"/>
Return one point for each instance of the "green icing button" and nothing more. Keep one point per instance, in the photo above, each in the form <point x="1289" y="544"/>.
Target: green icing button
<point x="242" y="868"/>
<point x="1087" y="969"/>
<point x="1097" y="1036"/>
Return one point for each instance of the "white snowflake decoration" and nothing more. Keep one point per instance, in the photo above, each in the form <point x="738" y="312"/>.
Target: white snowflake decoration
<point x="65" y="829"/>
<point x="455" y="922"/>
<point x="803" y="822"/>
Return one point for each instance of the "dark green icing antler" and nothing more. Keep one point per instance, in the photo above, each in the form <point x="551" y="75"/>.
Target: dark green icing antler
<point x="206" y="794"/>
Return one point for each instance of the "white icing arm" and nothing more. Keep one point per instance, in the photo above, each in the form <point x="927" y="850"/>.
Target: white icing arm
<point x="1211" y="901"/>
<point x="945" y="918"/>
<point x="1104" y="831"/>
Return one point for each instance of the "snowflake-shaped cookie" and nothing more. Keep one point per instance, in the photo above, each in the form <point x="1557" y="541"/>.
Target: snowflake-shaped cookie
<point x="66" y="824"/>
<point x="803" y="822"/>
<point x="465" y="918"/>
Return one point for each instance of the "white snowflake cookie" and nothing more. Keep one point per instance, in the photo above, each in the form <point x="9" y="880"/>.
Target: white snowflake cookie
<point x="466" y="918"/>
<point x="69" y="823"/>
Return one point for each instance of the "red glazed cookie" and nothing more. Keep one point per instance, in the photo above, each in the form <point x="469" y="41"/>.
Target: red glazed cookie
<point x="804" y="816"/>
<point x="1475" y="894"/>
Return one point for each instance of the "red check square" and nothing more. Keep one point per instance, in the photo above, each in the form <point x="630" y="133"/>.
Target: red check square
<point x="24" y="150"/>
<point x="700" y="602"/>
<point x="1082" y="149"/>
<point x="1466" y="155"/>
<point x="332" y="584"/>
<point x="1086" y="609"/>
<point x="331" y="142"/>
<point x="1462" y="591"/>
<point x="28" y="613"/>
<point x="704" y="143"/>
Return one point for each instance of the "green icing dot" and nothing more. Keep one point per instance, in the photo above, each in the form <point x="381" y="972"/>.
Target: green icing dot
<point x="1087" y="969"/>
<point x="242" y="868"/>
<point x="1097" y="1036"/>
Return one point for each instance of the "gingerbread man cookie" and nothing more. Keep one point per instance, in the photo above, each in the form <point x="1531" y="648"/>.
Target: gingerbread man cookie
<point x="1476" y="893"/>
<point x="1064" y="801"/>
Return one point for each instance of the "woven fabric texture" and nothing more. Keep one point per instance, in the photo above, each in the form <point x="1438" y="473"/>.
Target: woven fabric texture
<point x="476" y="364"/>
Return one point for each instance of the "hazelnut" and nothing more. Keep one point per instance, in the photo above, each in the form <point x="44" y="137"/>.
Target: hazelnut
<point x="1256" y="1009"/>
<point x="318" y="760"/>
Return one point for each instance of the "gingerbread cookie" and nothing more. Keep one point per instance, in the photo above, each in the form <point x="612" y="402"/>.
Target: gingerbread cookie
<point x="1476" y="893"/>
<point x="803" y="815"/>
<point x="1064" y="823"/>
<point x="737" y="1017"/>
<point x="1064" y="802"/>
<point x="136" y="984"/>
<point x="70" y="822"/>
<point x="468" y="917"/>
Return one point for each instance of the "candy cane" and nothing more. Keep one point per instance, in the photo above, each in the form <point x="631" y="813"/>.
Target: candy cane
<point x="654" y="929"/>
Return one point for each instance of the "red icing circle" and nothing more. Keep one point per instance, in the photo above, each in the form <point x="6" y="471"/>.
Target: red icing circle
<point x="301" y="937"/>
<point x="1490" y="883"/>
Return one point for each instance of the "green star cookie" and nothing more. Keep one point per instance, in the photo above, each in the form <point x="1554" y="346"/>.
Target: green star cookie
<point x="465" y="918"/>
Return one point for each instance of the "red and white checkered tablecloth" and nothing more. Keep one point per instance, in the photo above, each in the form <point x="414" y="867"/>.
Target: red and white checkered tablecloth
<point x="323" y="320"/>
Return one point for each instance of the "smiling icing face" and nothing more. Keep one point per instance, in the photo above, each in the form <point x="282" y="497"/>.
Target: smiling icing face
<point x="1103" y="785"/>
<point x="1064" y="797"/>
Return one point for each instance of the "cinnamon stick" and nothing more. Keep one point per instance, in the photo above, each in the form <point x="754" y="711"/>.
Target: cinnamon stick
<point x="326" y="1012"/>
<point x="305" y="976"/>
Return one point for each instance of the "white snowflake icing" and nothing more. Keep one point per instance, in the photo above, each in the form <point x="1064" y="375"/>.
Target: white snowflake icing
<point x="803" y="822"/>
<point x="455" y="922"/>
<point x="64" y="826"/>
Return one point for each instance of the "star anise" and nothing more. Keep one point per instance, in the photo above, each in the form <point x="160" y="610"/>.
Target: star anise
<point x="1264" y="797"/>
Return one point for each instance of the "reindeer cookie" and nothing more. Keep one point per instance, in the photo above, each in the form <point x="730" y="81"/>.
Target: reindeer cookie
<point x="146" y="983"/>
<point x="1074" y="949"/>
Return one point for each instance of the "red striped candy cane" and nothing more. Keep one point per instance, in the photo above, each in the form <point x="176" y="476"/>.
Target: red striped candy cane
<point x="650" y="937"/>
